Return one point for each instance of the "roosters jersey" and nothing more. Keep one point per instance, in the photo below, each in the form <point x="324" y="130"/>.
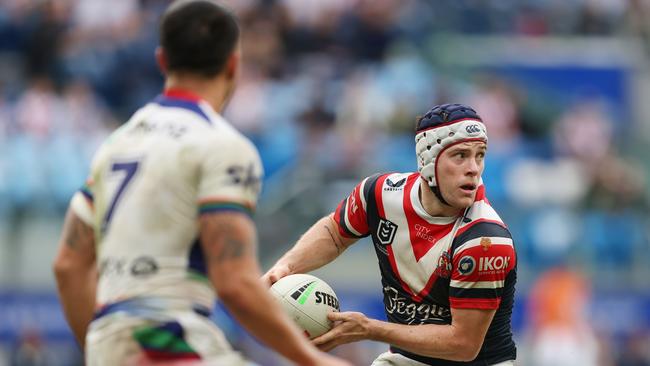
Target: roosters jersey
<point x="432" y="264"/>
<point x="174" y="159"/>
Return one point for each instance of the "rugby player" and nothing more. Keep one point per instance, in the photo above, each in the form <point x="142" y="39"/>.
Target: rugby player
<point x="447" y="260"/>
<point x="163" y="221"/>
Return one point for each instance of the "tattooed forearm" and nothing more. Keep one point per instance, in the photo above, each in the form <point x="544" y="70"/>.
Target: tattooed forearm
<point x="337" y="242"/>
<point x="76" y="234"/>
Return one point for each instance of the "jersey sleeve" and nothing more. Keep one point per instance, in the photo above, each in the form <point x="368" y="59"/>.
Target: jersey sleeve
<point x="483" y="259"/>
<point x="350" y="215"/>
<point x="82" y="203"/>
<point x="230" y="176"/>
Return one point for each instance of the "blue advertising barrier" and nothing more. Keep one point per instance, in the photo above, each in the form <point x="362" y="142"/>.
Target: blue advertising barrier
<point x="617" y="313"/>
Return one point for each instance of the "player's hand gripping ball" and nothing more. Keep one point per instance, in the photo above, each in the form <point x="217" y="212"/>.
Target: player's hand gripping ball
<point x="307" y="300"/>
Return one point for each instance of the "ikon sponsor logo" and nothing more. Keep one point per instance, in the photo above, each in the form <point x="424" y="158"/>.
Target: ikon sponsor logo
<point x="493" y="263"/>
<point x="466" y="265"/>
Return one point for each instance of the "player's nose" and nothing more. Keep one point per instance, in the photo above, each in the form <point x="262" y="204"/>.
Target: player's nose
<point x="472" y="167"/>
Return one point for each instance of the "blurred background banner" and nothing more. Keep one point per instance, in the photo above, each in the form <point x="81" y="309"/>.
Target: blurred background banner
<point x="329" y="93"/>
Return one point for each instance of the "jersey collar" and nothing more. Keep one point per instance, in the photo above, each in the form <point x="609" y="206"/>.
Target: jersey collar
<point x="182" y="94"/>
<point x="419" y="209"/>
<point x="185" y="99"/>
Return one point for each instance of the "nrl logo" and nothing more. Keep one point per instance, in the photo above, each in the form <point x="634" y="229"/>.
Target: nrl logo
<point x="386" y="231"/>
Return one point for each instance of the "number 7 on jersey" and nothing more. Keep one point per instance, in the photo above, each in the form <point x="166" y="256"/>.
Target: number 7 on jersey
<point x="130" y="168"/>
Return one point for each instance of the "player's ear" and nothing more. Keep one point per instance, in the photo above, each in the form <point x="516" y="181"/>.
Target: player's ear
<point x="232" y="65"/>
<point x="161" y="59"/>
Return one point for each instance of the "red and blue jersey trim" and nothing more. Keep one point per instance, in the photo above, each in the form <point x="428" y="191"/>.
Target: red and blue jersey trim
<point x="85" y="190"/>
<point x="178" y="98"/>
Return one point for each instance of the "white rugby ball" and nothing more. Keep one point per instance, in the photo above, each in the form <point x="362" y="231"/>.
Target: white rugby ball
<point x="307" y="300"/>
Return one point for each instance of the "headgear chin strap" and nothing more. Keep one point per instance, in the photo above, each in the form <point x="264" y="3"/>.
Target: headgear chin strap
<point x="436" y="191"/>
<point x="441" y="127"/>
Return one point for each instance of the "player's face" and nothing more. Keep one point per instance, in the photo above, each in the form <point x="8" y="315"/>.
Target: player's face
<point x="459" y="171"/>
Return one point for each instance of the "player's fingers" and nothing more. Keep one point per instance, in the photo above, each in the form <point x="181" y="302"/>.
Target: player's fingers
<point x="335" y="316"/>
<point x="268" y="280"/>
<point x="325" y="338"/>
<point x="272" y="276"/>
<point x="328" y="346"/>
<point x="318" y="341"/>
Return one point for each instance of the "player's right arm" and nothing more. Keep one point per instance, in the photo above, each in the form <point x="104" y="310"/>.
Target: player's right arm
<point x="229" y="245"/>
<point x="320" y="245"/>
<point x="74" y="267"/>
<point x="327" y="238"/>
<point x="228" y="191"/>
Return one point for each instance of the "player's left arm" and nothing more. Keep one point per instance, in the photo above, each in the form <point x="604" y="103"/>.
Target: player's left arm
<point x="76" y="272"/>
<point x="481" y="265"/>
<point x="459" y="341"/>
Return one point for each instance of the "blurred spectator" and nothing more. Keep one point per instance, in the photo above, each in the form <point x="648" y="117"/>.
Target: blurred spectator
<point x="560" y="333"/>
<point x="38" y="108"/>
<point x="97" y="20"/>
<point x="368" y="31"/>
<point x="531" y="21"/>
<point x="29" y="351"/>
<point x="47" y="23"/>
<point x="618" y="185"/>
<point x="637" y="21"/>
<point x="585" y="132"/>
<point x="496" y="102"/>
<point x="328" y="89"/>
<point x="636" y="351"/>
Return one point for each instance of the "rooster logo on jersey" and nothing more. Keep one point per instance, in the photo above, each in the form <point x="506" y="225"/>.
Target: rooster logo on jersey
<point x="443" y="270"/>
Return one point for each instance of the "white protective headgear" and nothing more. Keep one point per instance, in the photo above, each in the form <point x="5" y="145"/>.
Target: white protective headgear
<point x="443" y="126"/>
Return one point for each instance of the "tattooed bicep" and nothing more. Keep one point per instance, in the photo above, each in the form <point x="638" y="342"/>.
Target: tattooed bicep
<point x="227" y="236"/>
<point x="77" y="235"/>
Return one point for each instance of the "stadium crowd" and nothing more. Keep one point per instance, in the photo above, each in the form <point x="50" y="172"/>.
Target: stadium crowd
<point x="328" y="93"/>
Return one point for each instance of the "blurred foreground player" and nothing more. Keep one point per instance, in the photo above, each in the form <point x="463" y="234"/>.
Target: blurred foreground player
<point x="447" y="261"/>
<point x="164" y="219"/>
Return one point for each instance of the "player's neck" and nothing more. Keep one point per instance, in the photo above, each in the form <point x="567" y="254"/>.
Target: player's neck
<point x="432" y="204"/>
<point x="216" y="91"/>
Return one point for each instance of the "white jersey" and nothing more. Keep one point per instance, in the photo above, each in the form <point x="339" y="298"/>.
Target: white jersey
<point x="174" y="159"/>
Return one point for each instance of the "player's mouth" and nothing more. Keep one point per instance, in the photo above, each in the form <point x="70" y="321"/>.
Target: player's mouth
<point x="468" y="188"/>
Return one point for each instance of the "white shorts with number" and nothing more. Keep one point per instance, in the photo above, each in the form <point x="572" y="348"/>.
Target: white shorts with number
<point x="396" y="359"/>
